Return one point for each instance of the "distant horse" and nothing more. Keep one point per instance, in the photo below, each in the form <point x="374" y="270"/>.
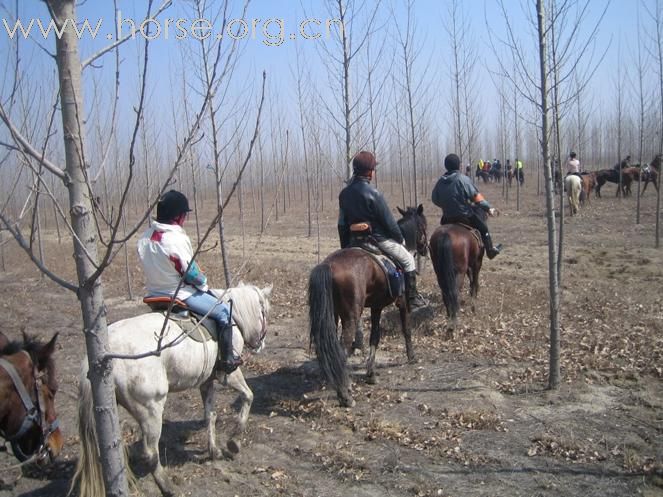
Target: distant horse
<point x="142" y="385"/>
<point x="340" y="287"/>
<point x="509" y="176"/>
<point x="612" y="175"/>
<point x="27" y="399"/>
<point x="496" y="174"/>
<point x="649" y="173"/>
<point x="456" y="251"/>
<point x="588" y="184"/>
<point x="573" y="187"/>
<point x="484" y="175"/>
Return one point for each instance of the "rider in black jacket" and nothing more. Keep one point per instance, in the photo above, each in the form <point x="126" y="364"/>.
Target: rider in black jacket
<point x="458" y="198"/>
<point x="359" y="202"/>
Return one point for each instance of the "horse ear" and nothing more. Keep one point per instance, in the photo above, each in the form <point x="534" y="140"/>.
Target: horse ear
<point x="400" y="210"/>
<point x="267" y="291"/>
<point x="44" y="354"/>
<point x="420" y="209"/>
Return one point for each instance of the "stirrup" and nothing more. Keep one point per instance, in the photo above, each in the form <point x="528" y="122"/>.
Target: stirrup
<point x="416" y="302"/>
<point x="229" y="365"/>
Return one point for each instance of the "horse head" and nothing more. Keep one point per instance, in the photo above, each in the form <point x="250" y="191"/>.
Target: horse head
<point x="251" y="308"/>
<point x="32" y="428"/>
<point x="413" y="226"/>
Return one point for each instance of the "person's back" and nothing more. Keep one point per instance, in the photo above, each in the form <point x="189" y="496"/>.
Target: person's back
<point x="451" y="193"/>
<point x="573" y="165"/>
<point x="360" y="202"/>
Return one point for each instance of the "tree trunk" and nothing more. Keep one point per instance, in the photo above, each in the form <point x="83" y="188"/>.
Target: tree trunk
<point x="85" y="253"/>
<point x="553" y="286"/>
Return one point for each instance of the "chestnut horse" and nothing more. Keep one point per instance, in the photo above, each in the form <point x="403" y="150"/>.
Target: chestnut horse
<point x="588" y="184"/>
<point x="340" y="287"/>
<point x="27" y="399"/>
<point x="456" y="251"/>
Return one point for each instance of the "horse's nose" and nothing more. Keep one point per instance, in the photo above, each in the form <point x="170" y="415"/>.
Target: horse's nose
<point x="55" y="442"/>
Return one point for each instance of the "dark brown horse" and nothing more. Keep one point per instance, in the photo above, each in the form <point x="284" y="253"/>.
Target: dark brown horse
<point x="456" y="251"/>
<point x="612" y="175"/>
<point x="27" y="392"/>
<point x="340" y="287"/>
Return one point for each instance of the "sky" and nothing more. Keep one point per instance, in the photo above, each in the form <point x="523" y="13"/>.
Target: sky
<point x="616" y="37"/>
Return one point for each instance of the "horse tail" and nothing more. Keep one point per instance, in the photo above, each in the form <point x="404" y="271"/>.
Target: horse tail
<point x="323" y="327"/>
<point x="88" y="473"/>
<point x="446" y="276"/>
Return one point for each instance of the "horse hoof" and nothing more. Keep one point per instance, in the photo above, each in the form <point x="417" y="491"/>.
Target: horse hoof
<point x="371" y="379"/>
<point x="234" y="446"/>
<point x="347" y="402"/>
<point x="412" y="359"/>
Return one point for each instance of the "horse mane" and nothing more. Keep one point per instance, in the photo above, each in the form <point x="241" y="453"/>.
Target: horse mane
<point x="29" y="344"/>
<point x="245" y="312"/>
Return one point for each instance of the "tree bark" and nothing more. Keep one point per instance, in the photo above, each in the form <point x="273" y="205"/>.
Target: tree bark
<point x="90" y="292"/>
<point x="553" y="286"/>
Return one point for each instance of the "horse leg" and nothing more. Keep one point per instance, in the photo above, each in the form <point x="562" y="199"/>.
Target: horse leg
<point x="452" y="324"/>
<point x="207" y="394"/>
<point x="150" y="418"/>
<point x="358" y="344"/>
<point x="237" y="382"/>
<point x="407" y="334"/>
<point x="374" y="342"/>
<point x="473" y="273"/>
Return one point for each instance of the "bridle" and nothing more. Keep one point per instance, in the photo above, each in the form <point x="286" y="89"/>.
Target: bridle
<point x="35" y="416"/>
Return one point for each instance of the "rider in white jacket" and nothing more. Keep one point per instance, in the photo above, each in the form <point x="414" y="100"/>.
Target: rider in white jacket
<point x="166" y="255"/>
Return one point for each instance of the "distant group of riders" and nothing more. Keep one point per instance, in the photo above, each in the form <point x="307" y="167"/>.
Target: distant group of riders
<point x="493" y="171"/>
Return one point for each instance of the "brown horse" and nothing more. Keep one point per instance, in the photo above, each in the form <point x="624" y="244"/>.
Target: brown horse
<point x="652" y="175"/>
<point x="649" y="174"/>
<point x="456" y="251"/>
<point x="340" y="287"/>
<point x="27" y="392"/>
<point x="588" y="184"/>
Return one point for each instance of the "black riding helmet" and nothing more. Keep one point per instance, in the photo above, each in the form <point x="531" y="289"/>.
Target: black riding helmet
<point x="171" y="204"/>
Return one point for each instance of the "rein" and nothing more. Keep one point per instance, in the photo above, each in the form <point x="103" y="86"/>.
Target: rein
<point x="34" y="415"/>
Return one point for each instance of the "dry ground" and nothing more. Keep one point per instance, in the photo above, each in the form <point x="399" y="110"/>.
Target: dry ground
<point x="471" y="418"/>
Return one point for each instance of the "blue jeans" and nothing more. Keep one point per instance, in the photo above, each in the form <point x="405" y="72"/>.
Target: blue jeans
<point x="201" y="303"/>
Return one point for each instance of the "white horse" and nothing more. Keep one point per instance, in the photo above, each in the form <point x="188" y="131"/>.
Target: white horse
<point x="142" y="385"/>
<point x="573" y="187"/>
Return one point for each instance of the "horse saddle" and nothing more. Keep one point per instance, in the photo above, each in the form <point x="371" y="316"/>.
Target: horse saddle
<point x="185" y="318"/>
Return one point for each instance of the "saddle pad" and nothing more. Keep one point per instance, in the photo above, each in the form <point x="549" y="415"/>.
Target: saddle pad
<point x="392" y="273"/>
<point x="192" y="326"/>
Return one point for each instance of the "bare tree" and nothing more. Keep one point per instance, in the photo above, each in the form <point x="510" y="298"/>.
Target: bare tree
<point x="413" y="87"/>
<point x="356" y="23"/>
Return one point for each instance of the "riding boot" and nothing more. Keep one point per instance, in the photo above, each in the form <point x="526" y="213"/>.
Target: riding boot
<point x="491" y="251"/>
<point x="414" y="300"/>
<point x="228" y="361"/>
